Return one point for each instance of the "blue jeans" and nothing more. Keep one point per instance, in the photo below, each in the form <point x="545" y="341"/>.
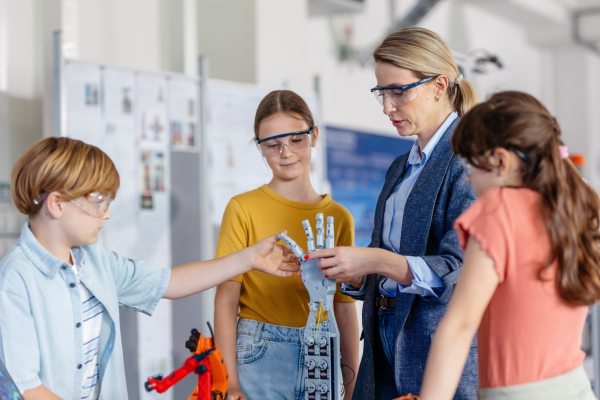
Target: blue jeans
<point x="270" y="361"/>
<point x="385" y="382"/>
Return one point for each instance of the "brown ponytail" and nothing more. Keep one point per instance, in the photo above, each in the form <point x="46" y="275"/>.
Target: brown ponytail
<point x="282" y="101"/>
<point x="571" y="209"/>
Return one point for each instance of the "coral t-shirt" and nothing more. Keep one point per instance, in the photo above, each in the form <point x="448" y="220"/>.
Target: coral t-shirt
<point x="528" y="332"/>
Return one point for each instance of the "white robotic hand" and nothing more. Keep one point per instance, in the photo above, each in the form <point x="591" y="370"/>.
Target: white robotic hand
<point x="322" y="371"/>
<point x="317" y="285"/>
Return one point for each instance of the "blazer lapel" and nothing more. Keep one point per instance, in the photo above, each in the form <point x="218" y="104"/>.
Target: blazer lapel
<point x="421" y="201"/>
<point x="388" y="187"/>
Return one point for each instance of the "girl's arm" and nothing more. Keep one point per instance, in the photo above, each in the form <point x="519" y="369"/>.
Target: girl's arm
<point x="450" y="348"/>
<point x="345" y="314"/>
<point x="227" y="301"/>
<point x="40" y="393"/>
<point x="265" y="256"/>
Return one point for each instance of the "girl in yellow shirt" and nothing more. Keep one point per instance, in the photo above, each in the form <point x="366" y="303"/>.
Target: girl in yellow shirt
<point x="263" y="349"/>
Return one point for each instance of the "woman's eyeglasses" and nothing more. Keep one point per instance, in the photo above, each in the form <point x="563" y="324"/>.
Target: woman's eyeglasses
<point x="398" y="96"/>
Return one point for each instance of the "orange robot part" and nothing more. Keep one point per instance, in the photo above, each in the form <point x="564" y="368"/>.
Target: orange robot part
<point x="218" y="369"/>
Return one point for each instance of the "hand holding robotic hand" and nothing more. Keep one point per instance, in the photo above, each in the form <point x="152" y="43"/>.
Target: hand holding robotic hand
<point x="311" y="274"/>
<point x="347" y="264"/>
<point x="272" y="258"/>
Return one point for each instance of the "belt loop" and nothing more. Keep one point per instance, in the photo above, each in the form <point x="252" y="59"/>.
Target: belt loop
<point x="259" y="329"/>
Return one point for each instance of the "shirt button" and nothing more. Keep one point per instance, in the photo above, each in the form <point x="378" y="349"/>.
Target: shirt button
<point x="72" y="285"/>
<point x="78" y="324"/>
<point x="79" y="366"/>
<point x="64" y="267"/>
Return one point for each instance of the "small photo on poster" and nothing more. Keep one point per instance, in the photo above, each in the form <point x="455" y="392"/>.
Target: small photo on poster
<point x="152" y="168"/>
<point x="191" y="141"/>
<point x="146" y="201"/>
<point x="126" y="101"/>
<point x="176" y="133"/>
<point x="191" y="108"/>
<point x="91" y="94"/>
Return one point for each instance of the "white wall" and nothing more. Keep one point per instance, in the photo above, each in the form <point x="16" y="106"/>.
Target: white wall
<point x="121" y="33"/>
<point x="292" y="50"/>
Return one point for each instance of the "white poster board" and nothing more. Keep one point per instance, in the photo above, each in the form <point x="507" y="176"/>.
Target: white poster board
<point x="235" y="164"/>
<point x="129" y="115"/>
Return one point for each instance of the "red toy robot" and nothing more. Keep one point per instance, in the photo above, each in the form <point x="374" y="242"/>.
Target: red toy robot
<point x="207" y="362"/>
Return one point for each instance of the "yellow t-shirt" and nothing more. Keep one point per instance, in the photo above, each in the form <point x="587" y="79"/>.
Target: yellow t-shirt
<point x="254" y="215"/>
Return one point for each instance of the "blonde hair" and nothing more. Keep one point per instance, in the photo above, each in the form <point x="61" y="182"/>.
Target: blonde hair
<point x="64" y="165"/>
<point x="427" y="55"/>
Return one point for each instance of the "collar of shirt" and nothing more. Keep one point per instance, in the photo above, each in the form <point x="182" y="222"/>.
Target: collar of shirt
<point x="37" y="254"/>
<point x="414" y="157"/>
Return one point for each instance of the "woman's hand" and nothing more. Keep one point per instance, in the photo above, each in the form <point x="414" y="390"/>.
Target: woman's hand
<point x="269" y="257"/>
<point x="234" y="393"/>
<point x="351" y="264"/>
<point x="345" y="264"/>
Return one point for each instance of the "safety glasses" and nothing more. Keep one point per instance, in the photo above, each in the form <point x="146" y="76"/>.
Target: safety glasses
<point x="95" y="203"/>
<point x="398" y="96"/>
<point x="273" y="146"/>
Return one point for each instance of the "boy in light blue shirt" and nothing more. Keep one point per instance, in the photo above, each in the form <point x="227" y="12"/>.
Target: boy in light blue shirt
<point x="60" y="291"/>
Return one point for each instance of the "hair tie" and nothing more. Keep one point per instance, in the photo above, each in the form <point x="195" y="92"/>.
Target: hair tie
<point x="460" y="78"/>
<point x="564" y="151"/>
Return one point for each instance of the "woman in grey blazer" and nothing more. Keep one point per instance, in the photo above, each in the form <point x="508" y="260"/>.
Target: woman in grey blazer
<point x="406" y="275"/>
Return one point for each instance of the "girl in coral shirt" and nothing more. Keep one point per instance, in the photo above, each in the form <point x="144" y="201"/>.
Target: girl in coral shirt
<point x="532" y="260"/>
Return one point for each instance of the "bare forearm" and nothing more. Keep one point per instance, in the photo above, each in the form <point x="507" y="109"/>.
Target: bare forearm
<point x="40" y="393"/>
<point x="446" y="360"/>
<point x="196" y="277"/>
<point x="226" y="313"/>
<point x="348" y="324"/>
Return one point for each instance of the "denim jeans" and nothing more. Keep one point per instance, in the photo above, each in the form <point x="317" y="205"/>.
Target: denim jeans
<point x="270" y="361"/>
<point x="385" y="383"/>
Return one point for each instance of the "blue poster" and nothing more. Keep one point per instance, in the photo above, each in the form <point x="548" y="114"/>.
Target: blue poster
<point x="356" y="166"/>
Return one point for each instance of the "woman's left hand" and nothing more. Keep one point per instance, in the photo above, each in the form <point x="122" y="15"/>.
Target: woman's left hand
<point x="271" y="258"/>
<point x="345" y="264"/>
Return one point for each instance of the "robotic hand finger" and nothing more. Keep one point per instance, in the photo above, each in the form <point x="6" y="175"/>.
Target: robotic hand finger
<point x="310" y="238"/>
<point x="330" y="242"/>
<point x="320" y="232"/>
<point x="293" y="245"/>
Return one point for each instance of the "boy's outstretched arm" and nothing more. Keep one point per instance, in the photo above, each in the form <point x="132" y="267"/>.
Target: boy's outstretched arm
<point x="265" y="256"/>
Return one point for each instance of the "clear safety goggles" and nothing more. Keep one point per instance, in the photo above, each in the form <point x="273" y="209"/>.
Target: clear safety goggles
<point x="95" y="203"/>
<point x="273" y="146"/>
<point x="398" y="96"/>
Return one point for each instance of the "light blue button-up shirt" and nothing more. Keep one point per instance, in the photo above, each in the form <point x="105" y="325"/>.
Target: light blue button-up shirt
<point x="40" y="308"/>
<point x="425" y="282"/>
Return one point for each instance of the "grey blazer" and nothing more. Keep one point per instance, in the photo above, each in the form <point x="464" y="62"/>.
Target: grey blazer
<point x="439" y="196"/>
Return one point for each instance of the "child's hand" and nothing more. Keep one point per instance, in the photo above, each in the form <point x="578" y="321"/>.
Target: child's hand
<point x="271" y="258"/>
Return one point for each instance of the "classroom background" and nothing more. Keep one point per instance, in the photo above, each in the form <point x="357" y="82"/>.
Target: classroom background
<point x="168" y="88"/>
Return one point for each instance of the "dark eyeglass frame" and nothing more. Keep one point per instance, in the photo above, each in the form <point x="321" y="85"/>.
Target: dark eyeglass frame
<point x="524" y="157"/>
<point x="403" y="88"/>
<point x="309" y="131"/>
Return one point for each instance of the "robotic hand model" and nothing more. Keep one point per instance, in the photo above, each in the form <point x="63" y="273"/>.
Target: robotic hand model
<point x="322" y="370"/>
<point x="206" y="362"/>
